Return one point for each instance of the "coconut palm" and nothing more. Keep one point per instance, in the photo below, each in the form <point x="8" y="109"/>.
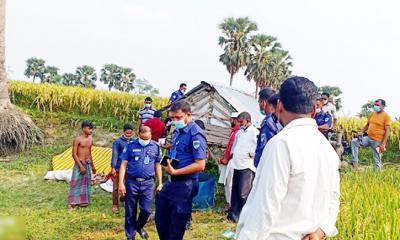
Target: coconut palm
<point x="17" y="131"/>
<point x="86" y="76"/>
<point x="34" y="68"/>
<point x="235" y="43"/>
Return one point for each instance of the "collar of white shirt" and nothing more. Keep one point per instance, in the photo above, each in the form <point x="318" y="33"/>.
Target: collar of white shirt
<point x="301" y="122"/>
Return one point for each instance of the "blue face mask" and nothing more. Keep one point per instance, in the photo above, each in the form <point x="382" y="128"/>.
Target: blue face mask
<point x="144" y="143"/>
<point x="179" y="124"/>
<point x="243" y="127"/>
<point x="262" y="111"/>
<point x="377" y="108"/>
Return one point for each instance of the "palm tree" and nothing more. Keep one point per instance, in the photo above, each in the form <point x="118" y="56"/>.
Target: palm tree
<point x="34" y="68"/>
<point x="69" y="79"/>
<point x="127" y="80"/>
<point x="234" y="42"/>
<point x="86" y="76"/>
<point x="17" y="131"/>
<point x="261" y="47"/>
<point x="278" y="68"/>
<point x="110" y="75"/>
<point x="50" y="75"/>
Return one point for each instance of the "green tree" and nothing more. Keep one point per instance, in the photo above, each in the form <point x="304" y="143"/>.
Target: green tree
<point x="50" y="75"/>
<point x="367" y="109"/>
<point x="86" y="76"/>
<point x="126" y="82"/>
<point x="235" y="43"/>
<point x="111" y="75"/>
<point x="266" y="62"/>
<point x="69" y="79"/>
<point x="278" y="68"/>
<point x="142" y="86"/>
<point x="17" y="130"/>
<point x="35" y="68"/>
<point x="334" y="93"/>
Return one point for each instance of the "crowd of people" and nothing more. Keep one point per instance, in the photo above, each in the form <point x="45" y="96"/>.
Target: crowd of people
<point x="281" y="181"/>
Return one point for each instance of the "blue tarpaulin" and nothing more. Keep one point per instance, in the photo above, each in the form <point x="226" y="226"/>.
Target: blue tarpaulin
<point x="205" y="197"/>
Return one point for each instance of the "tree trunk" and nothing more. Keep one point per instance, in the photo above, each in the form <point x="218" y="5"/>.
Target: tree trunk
<point x="231" y="80"/>
<point x="34" y="76"/>
<point x="255" y="95"/>
<point x="4" y="97"/>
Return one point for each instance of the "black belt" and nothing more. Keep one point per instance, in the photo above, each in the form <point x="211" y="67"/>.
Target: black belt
<point x="182" y="178"/>
<point x="139" y="179"/>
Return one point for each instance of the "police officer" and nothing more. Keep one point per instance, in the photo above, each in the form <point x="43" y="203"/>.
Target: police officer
<point x="140" y="162"/>
<point x="117" y="148"/>
<point x="269" y="126"/>
<point x="178" y="94"/>
<point x="323" y="119"/>
<point x="174" y="202"/>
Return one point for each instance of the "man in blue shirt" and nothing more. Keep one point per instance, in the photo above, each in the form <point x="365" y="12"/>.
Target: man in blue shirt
<point x="323" y="119"/>
<point x="174" y="202"/>
<point x="269" y="126"/>
<point x="140" y="163"/>
<point x="178" y="94"/>
<point x="118" y="146"/>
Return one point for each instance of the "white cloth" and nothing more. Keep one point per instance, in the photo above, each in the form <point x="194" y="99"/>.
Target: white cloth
<point x="222" y="173"/>
<point x="60" y="175"/>
<point x="228" y="182"/>
<point x="107" y="186"/>
<point x="296" y="187"/>
<point x="244" y="149"/>
<point x="331" y="109"/>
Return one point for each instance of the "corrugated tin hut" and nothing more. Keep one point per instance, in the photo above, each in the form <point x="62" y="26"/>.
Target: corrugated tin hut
<point x="214" y="103"/>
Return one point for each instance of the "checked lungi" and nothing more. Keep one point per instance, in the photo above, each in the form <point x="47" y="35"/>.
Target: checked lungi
<point x="79" y="192"/>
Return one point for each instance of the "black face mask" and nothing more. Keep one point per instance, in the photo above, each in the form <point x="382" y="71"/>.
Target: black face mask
<point x="232" y="124"/>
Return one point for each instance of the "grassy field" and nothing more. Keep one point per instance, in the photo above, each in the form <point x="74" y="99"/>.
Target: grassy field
<point x="370" y="203"/>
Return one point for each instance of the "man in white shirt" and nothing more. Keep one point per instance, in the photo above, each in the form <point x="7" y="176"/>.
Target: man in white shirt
<point x="242" y="163"/>
<point x="295" y="192"/>
<point x="329" y="107"/>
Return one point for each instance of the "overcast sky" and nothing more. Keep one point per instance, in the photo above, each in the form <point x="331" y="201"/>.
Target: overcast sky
<point x="351" y="44"/>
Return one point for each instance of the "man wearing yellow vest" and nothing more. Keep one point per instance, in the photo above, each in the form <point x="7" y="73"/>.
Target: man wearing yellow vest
<point x="378" y="130"/>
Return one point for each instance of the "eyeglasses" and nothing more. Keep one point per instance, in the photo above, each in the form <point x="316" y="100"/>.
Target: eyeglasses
<point x="324" y="98"/>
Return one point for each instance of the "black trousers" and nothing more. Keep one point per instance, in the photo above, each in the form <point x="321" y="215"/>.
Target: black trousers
<point x="241" y="186"/>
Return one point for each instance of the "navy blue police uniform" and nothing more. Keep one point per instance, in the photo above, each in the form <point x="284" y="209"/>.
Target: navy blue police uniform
<point x="174" y="202"/>
<point x="323" y="118"/>
<point x="269" y="128"/>
<point x="139" y="183"/>
<point x="175" y="96"/>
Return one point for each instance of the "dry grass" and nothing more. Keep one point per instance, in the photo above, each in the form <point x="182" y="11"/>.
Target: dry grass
<point x="17" y="132"/>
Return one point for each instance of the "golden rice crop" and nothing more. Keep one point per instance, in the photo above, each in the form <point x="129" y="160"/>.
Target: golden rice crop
<point x="370" y="205"/>
<point x="354" y="123"/>
<point x="59" y="98"/>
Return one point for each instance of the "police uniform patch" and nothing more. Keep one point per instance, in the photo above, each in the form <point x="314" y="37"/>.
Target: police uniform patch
<point x="136" y="158"/>
<point x="124" y="150"/>
<point x="196" y="144"/>
<point x="262" y="138"/>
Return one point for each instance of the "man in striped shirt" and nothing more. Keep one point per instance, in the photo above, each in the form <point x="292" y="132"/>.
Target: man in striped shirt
<point x="147" y="112"/>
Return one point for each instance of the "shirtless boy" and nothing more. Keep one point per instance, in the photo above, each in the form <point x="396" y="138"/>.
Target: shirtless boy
<point x="79" y="192"/>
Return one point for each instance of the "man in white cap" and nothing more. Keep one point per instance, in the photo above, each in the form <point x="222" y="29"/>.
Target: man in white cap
<point x="226" y="173"/>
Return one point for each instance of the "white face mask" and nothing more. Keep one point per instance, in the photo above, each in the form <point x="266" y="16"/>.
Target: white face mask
<point x="325" y="102"/>
<point x="318" y="110"/>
